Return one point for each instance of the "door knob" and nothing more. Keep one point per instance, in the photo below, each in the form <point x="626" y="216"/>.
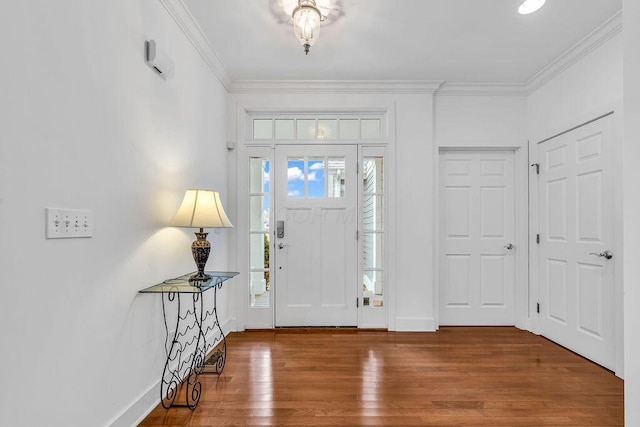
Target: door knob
<point x="510" y="246"/>
<point x="281" y="246"/>
<point x="606" y="254"/>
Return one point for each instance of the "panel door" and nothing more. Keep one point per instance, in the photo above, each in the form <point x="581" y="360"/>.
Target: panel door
<point x="576" y="224"/>
<point x="316" y="252"/>
<point x="477" y="247"/>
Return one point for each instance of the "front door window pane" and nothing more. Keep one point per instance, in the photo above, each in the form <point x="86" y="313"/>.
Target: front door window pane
<point x="335" y="177"/>
<point x="295" y="178"/>
<point x="316" y="177"/>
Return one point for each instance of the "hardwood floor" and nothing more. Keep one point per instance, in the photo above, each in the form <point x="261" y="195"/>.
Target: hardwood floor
<point x="458" y="376"/>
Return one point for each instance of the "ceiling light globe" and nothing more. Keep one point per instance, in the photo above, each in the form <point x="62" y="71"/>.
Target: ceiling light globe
<point x="530" y="6"/>
<point x="306" y="23"/>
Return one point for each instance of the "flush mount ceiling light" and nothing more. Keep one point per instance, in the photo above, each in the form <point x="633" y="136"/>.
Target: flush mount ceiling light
<point x="530" y="6"/>
<point x="306" y="23"/>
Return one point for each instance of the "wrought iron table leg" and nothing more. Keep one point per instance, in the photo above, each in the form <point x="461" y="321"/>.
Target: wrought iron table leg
<point x="171" y="372"/>
<point x="219" y="357"/>
<point x="193" y="384"/>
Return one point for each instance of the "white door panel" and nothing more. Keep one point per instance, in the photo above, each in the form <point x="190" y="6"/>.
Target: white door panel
<point x="576" y="224"/>
<point x="316" y="260"/>
<point x="477" y="218"/>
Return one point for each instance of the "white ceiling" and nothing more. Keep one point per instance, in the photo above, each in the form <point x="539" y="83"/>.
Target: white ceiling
<point x="472" y="41"/>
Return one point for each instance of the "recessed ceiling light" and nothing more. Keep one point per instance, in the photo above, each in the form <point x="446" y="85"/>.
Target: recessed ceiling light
<point x="530" y="6"/>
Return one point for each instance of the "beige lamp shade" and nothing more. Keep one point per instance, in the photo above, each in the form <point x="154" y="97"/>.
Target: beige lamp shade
<point x="201" y="209"/>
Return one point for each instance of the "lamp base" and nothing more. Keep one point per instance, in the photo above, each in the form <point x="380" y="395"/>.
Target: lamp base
<point x="200" y="249"/>
<point x="199" y="277"/>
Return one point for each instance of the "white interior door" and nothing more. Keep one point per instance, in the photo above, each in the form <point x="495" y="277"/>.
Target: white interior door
<point x="477" y="246"/>
<point x="315" y="246"/>
<point x="576" y="224"/>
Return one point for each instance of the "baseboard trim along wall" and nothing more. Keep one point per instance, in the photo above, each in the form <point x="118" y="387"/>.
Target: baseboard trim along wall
<point x="147" y="401"/>
<point x="415" y="324"/>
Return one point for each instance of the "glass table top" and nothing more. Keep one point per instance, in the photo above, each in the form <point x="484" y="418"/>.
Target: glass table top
<point x="183" y="285"/>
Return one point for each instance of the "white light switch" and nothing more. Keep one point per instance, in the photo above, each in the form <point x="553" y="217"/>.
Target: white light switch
<point x="68" y="223"/>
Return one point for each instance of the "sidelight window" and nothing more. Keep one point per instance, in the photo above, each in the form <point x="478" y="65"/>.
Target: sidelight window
<point x="259" y="237"/>
<point x="373" y="232"/>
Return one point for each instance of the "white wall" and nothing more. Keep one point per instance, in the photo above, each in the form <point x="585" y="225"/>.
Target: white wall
<point x="631" y="149"/>
<point x="589" y="88"/>
<point x="481" y="121"/>
<point x="86" y="124"/>
<point x="490" y="121"/>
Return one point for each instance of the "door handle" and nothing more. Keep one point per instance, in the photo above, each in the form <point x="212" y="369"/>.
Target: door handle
<point x="510" y="246"/>
<point x="606" y="254"/>
<point x="281" y="246"/>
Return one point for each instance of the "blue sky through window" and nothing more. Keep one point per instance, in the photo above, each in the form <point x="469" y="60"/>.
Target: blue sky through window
<point x="315" y="178"/>
<point x="266" y="180"/>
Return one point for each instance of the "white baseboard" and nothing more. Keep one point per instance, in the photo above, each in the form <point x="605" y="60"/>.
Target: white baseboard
<point x="148" y="400"/>
<point x="415" y="324"/>
<point x="141" y="407"/>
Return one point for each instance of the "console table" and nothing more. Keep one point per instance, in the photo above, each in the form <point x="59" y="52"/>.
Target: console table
<point x="187" y="346"/>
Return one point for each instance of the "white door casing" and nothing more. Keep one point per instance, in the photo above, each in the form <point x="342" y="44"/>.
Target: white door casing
<point x="477" y="238"/>
<point x="316" y="262"/>
<point x="576" y="223"/>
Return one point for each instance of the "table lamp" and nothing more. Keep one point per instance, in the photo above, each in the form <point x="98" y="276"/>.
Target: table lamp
<point x="201" y="209"/>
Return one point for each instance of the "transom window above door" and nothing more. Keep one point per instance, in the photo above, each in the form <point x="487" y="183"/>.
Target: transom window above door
<point x="317" y="128"/>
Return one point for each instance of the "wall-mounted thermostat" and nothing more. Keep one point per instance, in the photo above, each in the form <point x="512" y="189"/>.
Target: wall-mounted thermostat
<point x="157" y="59"/>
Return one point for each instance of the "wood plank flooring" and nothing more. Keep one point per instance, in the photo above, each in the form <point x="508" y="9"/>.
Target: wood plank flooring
<point x="458" y="376"/>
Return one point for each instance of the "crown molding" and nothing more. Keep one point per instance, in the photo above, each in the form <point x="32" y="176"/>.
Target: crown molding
<point x="183" y="17"/>
<point x="606" y="31"/>
<point x="335" y="86"/>
<point x="482" y="89"/>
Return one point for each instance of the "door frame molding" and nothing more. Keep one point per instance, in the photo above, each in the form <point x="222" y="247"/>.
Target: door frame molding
<point x="241" y="142"/>
<point x="521" y="164"/>
<point x="613" y="111"/>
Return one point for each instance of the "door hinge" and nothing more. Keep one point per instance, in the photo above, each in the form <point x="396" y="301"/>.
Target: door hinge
<point x="357" y="302"/>
<point x="357" y="168"/>
<point x="537" y="307"/>
<point x="537" y="238"/>
<point x="357" y="234"/>
<point x="537" y="166"/>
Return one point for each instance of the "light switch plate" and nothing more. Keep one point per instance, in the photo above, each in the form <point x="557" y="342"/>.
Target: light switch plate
<point x="68" y="223"/>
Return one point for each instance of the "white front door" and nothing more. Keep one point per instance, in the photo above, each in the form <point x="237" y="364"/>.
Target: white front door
<point x="315" y="244"/>
<point x="477" y="246"/>
<point x="576" y="226"/>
